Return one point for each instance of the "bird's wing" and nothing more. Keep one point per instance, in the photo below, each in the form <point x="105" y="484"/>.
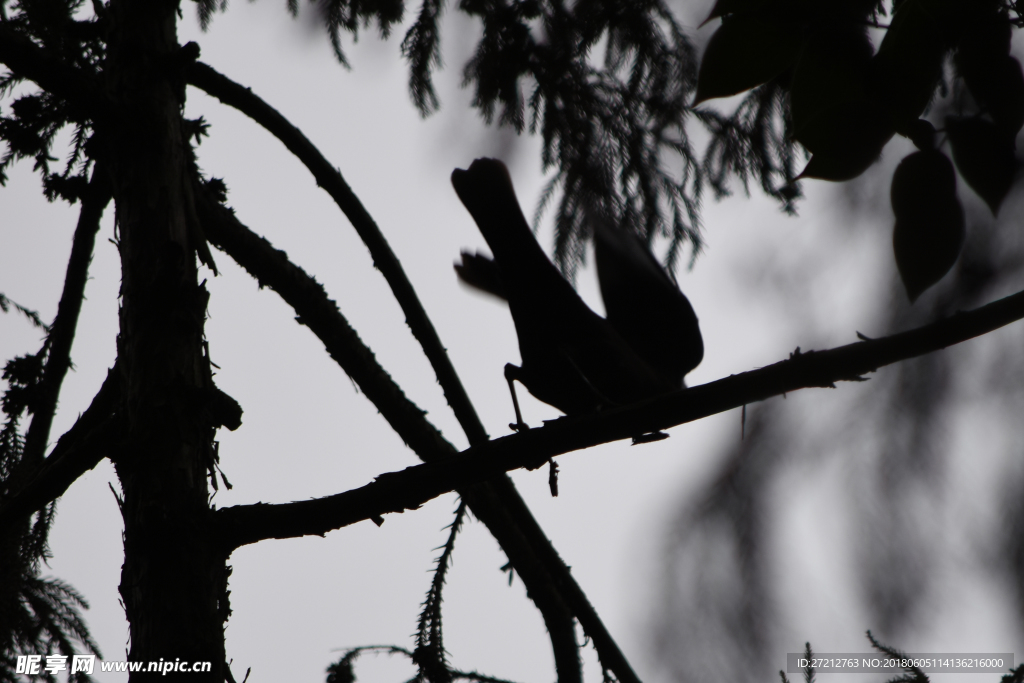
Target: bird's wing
<point x="644" y="304"/>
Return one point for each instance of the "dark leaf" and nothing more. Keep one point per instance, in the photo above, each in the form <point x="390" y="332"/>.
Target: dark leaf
<point x="745" y="52"/>
<point x="988" y="34"/>
<point x="831" y="73"/>
<point x="922" y="134"/>
<point x="845" y="140"/>
<point x="929" y="228"/>
<point x="834" y="115"/>
<point x="1000" y="90"/>
<point x="909" y="62"/>
<point x="984" y="157"/>
<point x="992" y="75"/>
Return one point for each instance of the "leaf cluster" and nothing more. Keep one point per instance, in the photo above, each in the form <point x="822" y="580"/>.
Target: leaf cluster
<point x="843" y="100"/>
<point x="606" y="85"/>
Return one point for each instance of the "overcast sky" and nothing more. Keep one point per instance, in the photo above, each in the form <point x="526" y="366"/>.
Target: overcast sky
<point x="307" y="432"/>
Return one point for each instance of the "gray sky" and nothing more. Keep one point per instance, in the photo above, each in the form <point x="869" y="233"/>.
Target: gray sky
<point x="307" y="432"/>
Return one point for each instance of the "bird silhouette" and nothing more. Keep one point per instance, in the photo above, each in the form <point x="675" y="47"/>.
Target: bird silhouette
<point x="572" y="358"/>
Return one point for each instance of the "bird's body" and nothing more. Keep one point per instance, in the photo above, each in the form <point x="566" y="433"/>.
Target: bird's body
<point x="572" y="358"/>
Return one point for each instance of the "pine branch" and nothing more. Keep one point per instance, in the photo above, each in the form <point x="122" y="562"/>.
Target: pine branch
<point x="422" y="47"/>
<point x="754" y="142"/>
<point x="27" y="60"/>
<point x="430" y="655"/>
<point x="913" y="674"/>
<point x="32" y="316"/>
<point x="414" y="486"/>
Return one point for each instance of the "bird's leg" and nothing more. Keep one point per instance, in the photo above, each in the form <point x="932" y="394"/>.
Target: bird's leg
<point x="512" y="374"/>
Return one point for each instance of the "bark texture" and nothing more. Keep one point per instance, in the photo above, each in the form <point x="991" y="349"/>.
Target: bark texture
<point x="173" y="581"/>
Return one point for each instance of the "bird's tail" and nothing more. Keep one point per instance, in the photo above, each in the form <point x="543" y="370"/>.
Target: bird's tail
<point x="486" y="191"/>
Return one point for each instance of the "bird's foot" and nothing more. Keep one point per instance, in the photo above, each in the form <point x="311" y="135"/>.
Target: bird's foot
<point x="649" y="438"/>
<point x="518" y="426"/>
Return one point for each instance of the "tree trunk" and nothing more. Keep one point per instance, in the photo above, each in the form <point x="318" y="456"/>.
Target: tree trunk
<point x="173" y="581"/>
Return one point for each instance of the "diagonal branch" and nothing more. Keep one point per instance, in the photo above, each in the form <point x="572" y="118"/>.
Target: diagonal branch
<point x="206" y="78"/>
<point x="414" y="486"/>
<point x="30" y="61"/>
<point x="62" y="333"/>
<point x="79" y="450"/>
<point x="272" y="268"/>
<point x="549" y="584"/>
<point x="496" y="503"/>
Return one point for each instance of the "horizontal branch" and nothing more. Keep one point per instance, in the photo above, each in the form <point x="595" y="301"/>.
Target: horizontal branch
<point x="28" y="60"/>
<point x="414" y="486"/>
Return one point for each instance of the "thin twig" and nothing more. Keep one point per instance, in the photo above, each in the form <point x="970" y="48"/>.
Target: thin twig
<point x="33" y="316"/>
